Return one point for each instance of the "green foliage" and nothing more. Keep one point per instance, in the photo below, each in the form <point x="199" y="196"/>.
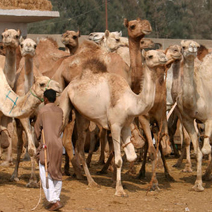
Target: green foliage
<point x="184" y="19"/>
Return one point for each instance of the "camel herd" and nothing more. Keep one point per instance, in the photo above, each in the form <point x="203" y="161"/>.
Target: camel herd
<point x="110" y="90"/>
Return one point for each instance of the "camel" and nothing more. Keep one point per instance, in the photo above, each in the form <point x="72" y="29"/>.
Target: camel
<point x="114" y="110"/>
<point x="98" y="36"/>
<point x="157" y="115"/>
<point x="70" y="40"/>
<point x="191" y="96"/>
<point x="15" y="106"/>
<point x="24" y="81"/>
<point x="48" y="57"/>
<point x="10" y="40"/>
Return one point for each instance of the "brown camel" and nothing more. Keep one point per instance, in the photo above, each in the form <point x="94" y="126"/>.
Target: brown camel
<point x="70" y="40"/>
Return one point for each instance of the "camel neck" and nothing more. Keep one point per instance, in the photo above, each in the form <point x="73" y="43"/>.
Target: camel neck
<point x="10" y="66"/>
<point x="176" y="83"/>
<point x="28" y="76"/>
<point x="145" y="99"/>
<point x="188" y="95"/>
<point x="135" y="64"/>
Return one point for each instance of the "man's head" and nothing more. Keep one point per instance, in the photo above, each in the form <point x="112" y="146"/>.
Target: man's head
<point x="49" y="96"/>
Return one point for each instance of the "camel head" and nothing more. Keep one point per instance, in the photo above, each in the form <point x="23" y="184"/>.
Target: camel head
<point x="42" y="83"/>
<point x="28" y="47"/>
<point x="70" y="38"/>
<point x="112" y="41"/>
<point x="173" y="53"/>
<point x="154" y="58"/>
<point x="138" y="28"/>
<point x="146" y="43"/>
<point x="10" y="38"/>
<point x="189" y="49"/>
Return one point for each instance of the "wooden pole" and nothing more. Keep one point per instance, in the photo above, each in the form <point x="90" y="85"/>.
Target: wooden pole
<point x="45" y="158"/>
<point x="106" y="15"/>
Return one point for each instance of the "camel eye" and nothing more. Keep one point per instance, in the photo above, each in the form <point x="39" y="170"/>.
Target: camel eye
<point x="16" y="36"/>
<point x="117" y="40"/>
<point x="150" y="57"/>
<point x="132" y="27"/>
<point x="35" y="46"/>
<point x="42" y="84"/>
<point x="22" y="45"/>
<point x="74" y="37"/>
<point x="142" y="42"/>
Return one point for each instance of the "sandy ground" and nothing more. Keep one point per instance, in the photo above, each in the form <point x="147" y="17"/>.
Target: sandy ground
<point x="76" y="196"/>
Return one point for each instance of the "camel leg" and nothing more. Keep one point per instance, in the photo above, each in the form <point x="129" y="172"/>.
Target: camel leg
<point x="82" y="125"/>
<point x="172" y="127"/>
<point x="206" y="149"/>
<point x="207" y="176"/>
<point x="145" y="126"/>
<point x="189" y="126"/>
<point x="7" y="123"/>
<point x="187" y="148"/>
<point x="103" y="141"/>
<point x="93" y="138"/>
<point x="142" y="171"/>
<point x="67" y="143"/>
<point x="116" y="132"/>
<point x="14" y="176"/>
<point x="166" y="169"/>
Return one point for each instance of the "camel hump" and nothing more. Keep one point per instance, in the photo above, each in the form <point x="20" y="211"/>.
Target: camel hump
<point x="95" y="66"/>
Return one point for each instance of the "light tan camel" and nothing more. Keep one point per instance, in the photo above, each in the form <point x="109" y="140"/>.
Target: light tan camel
<point x="70" y="40"/>
<point x="12" y="105"/>
<point x="193" y="102"/>
<point x="98" y="36"/>
<point x="115" y="106"/>
<point x="24" y="81"/>
<point x="10" y="40"/>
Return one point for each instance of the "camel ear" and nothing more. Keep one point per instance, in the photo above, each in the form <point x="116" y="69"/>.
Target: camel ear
<point x="182" y="42"/>
<point x="143" y="53"/>
<point x="138" y="19"/>
<point x="21" y="39"/>
<point x="5" y="29"/>
<point x="120" y="33"/>
<point x="107" y="33"/>
<point x="126" y="22"/>
<point x="78" y="33"/>
<point x="19" y="32"/>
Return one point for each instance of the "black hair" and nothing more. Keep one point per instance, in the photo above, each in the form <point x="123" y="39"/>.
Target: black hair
<point x="50" y="94"/>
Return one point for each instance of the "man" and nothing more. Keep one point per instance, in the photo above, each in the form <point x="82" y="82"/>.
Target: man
<point x="49" y="119"/>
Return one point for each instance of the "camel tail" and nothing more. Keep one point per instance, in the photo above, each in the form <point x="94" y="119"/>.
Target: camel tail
<point x="66" y="106"/>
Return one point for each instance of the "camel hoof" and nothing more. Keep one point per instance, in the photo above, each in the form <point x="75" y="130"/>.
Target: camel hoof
<point x="187" y="170"/>
<point x="121" y="194"/>
<point x="169" y="178"/>
<point x="152" y="153"/>
<point x="197" y="188"/>
<point x="32" y="184"/>
<point x="12" y="179"/>
<point x="177" y="165"/>
<point x="93" y="185"/>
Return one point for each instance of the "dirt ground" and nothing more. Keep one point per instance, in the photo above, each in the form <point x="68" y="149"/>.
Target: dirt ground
<point x="76" y="196"/>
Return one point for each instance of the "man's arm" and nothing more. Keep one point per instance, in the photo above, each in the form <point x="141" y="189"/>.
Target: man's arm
<point x="38" y="126"/>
